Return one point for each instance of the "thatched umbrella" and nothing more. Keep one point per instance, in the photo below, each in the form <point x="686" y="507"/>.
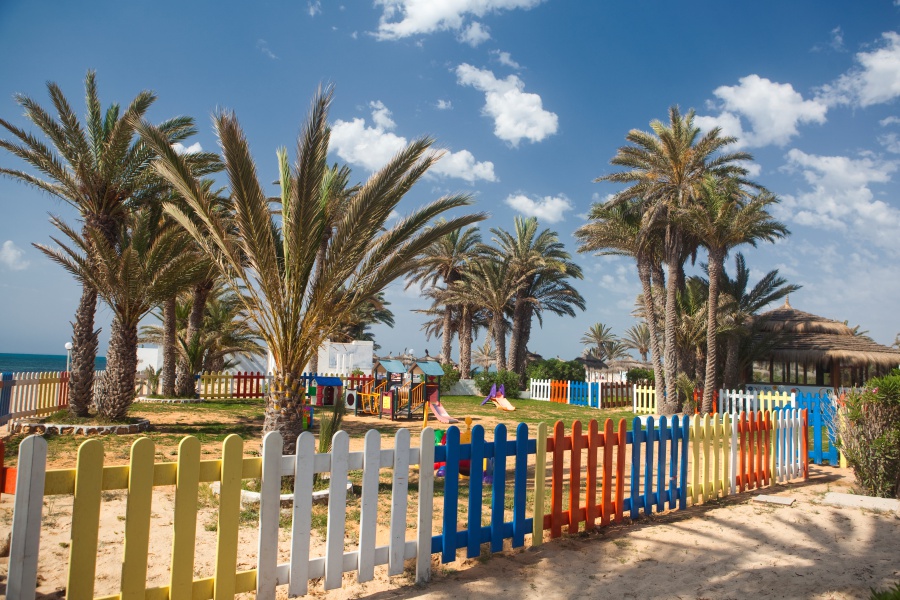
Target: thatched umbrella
<point x="808" y="339"/>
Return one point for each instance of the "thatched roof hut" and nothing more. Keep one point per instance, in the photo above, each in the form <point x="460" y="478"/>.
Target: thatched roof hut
<point x="808" y="340"/>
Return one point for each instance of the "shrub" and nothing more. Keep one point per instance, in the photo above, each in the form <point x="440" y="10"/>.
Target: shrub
<point x="868" y="426"/>
<point x="451" y="376"/>
<point x="509" y="379"/>
<point x="553" y="368"/>
<point x="645" y="376"/>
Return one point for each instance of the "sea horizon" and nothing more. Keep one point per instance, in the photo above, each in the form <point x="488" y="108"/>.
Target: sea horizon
<point x="38" y="363"/>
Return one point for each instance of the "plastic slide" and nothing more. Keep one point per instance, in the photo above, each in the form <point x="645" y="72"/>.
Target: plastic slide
<point x="440" y="413"/>
<point x="503" y="404"/>
<point x="490" y="395"/>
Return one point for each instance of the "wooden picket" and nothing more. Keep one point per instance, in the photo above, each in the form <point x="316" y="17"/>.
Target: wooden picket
<point x="615" y="394"/>
<point x="539" y="389"/>
<point x="559" y="391"/>
<point x="24" y="395"/>
<point x="820" y="410"/>
<point x="711" y="448"/>
<point x="578" y="393"/>
<point x="644" y="400"/>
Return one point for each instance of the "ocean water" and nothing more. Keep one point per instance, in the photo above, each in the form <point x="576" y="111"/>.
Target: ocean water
<point x="28" y="363"/>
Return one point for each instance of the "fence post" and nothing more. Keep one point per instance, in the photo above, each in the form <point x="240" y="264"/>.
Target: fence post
<point x="26" y="526"/>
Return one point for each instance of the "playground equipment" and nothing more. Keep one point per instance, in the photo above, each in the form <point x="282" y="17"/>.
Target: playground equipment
<point x="498" y="397"/>
<point x="328" y="390"/>
<point x="368" y="401"/>
<point x="465" y="466"/>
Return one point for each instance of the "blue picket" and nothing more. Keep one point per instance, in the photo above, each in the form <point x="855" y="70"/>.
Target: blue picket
<point x="820" y="411"/>
<point x="520" y="528"/>
<point x="451" y="495"/>
<point x="637" y="436"/>
<point x="498" y="488"/>
<point x="476" y="476"/>
<point x="5" y="394"/>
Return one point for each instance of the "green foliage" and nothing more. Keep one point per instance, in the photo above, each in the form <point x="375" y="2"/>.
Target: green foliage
<point x="553" y="368"/>
<point x="888" y="594"/>
<point x="508" y="379"/>
<point x="639" y="376"/>
<point x="451" y="376"/>
<point x="868" y="424"/>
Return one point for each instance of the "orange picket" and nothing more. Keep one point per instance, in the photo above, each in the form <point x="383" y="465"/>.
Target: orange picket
<point x="593" y="510"/>
<point x="575" y="478"/>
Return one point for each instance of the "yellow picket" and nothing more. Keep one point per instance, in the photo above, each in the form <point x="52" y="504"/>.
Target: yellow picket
<point x="137" y="520"/>
<point x="229" y="518"/>
<point x="185" y="520"/>
<point x="85" y="521"/>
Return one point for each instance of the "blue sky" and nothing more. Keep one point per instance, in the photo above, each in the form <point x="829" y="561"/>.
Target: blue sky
<point x="530" y="99"/>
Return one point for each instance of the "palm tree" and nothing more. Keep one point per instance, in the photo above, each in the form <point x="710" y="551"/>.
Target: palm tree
<point x="599" y="336"/>
<point x="665" y="171"/>
<point x="101" y="170"/>
<point x="268" y="257"/>
<point x="485" y="355"/>
<point x="147" y="264"/>
<point x="615" y="229"/>
<point x="724" y="218"/>
<point x="446" y="260"/>
<point x="742" y="305"/>
<point x="637" y="337"/>
<point x="531" y="255"/>
<point x="489" y="284"/>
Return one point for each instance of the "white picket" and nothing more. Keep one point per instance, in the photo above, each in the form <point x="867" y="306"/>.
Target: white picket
<point x="301" y="525"/>
<point x="368" y="518"/>
<point x="337" y="510"/>
<point x="269" y="510"/>
<point x="426" y="505"/>
<point x="26" y="528"/>
<point x="399" y="499"/>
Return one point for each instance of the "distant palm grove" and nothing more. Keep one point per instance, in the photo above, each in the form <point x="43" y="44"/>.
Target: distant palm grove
<point x="229" y="270"/>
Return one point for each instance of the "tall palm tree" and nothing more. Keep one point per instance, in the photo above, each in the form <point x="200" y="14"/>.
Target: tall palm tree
<point x="531" y="254"/>
<point x="637" y="337"/>
<point x="147" y="264"/>
<point x="485" y="355"/>
<point x="101" y="170"/>
<point x="446" y="260"/>
<point x="268" y="257"/>
<point x="722" y="218"/>
<point x="742" y="305"/>
<point x="615" y="229"/>
<point x="665" y="169"/>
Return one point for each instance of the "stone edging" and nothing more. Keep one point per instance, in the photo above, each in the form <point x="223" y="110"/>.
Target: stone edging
<point x="73" y="429"/>
<point x="248" y="497"/>
<point x="144" y="399"/>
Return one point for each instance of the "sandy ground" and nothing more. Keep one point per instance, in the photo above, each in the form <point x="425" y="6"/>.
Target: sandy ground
<point x="734" y="548"/>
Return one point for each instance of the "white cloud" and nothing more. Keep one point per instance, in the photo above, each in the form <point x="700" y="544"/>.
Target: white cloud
<point x="13" y="257"/>
<point x="475" y="34"/>
<point x="889" y="121"/>
<point x="314" y="8"/>
<point x="773" y="111"/>
<point x="890" y="142"/>
<point x="874" y="80"/>
<point x="444" y="105"/>
<point x="194" y="148"/>
<point x="841" y="198"/>
<point x="549" y="208"/>
<point x="753" y="169"/>
<point x="835" y="42"/>
<point x="505" y="58"/>
<point x="403" y="18"/>
<point x="372" y="147"/>
<point x="517" y="114"/>
<point x="263" y="46"/>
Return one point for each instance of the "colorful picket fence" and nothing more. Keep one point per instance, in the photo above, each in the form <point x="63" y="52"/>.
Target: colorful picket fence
<point x="737" y="401"/>
<point x="821" y="421"/>
<point x="596" y="394"/>
<point x="213" y="386"/>
<point x="25" y="395"/>
<point x="644" y="400"/>
<point x="596" y="476"/>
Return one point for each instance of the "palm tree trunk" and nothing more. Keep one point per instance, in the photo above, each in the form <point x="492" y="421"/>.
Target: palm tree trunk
<point x="169" y="358"/>
<point x="447" y="335"/>
<point x="731" y="363"/>
<point x="673" y="251"/>
<point x="716" y="260"/>
<point x="516" y="347"/>
<point x="84" y="354"/>
<point x="644" y="270"/>
<point x="283" y="402"/>
<point x="465" y="343"/>
<point x="184" y="381"/>
<point x="499" y="336"/>
<point x="121" y="368"/>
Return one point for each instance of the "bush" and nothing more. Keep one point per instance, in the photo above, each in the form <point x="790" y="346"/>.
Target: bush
<point x="509" y="379"/>
<point x="868" y="427"/>
<point x="553" y="368"/>
<point x="640" y="376"/>
<point x="451" y="376"/>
